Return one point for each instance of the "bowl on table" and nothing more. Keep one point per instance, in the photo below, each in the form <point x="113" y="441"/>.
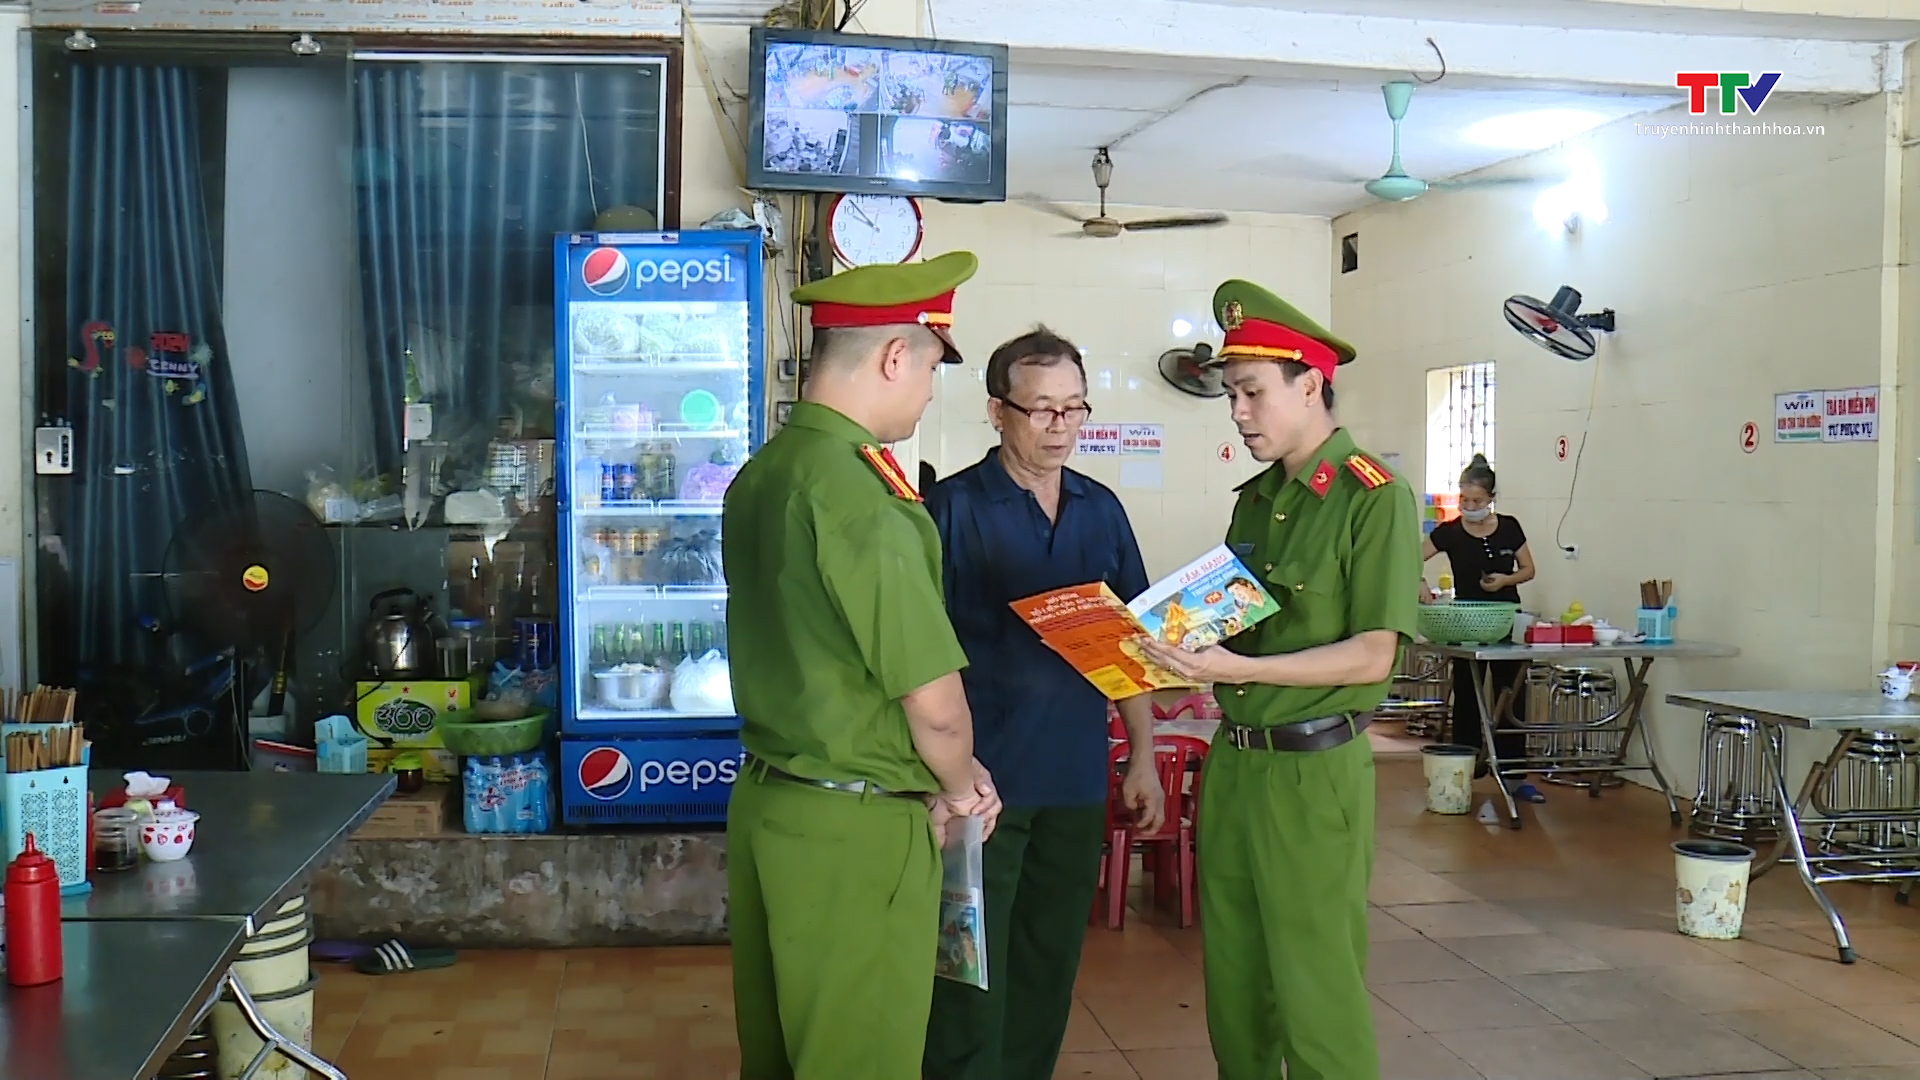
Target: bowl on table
<point x="1606" y="635"/>
<point x="468" y="734"/>
<point x="166" y="835"/>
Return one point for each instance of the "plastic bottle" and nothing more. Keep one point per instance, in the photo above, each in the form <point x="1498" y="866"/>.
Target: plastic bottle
<point x="34" y="957"/>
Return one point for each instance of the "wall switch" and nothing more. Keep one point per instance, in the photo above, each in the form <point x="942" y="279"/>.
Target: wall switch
<point x="53" y="451"/>
<point x="1572" y="551"/>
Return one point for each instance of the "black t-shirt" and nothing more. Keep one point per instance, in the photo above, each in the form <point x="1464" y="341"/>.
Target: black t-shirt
<point x="1474" y="557"/>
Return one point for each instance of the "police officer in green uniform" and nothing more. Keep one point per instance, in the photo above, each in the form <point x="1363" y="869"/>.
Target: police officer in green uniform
<point x="1287" y="806"/>
<point x="847" y="680"/>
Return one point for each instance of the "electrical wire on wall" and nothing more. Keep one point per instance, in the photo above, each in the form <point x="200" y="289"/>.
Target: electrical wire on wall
<point x="1586" y="427"/>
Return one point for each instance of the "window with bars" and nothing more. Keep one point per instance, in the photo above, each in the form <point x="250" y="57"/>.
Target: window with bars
<point x="1459" y="423"/>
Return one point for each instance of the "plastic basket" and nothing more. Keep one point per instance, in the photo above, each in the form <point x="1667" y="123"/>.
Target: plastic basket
<point x="1467" y="622"/>
<point x="52" y="805"/>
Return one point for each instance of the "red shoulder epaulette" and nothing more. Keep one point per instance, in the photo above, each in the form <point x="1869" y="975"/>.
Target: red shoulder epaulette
<point x="883" y="463"/>
<point x="1370" y="472"/>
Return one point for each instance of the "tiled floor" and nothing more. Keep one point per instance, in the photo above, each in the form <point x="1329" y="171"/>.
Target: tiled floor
<point x="1547" y="954"/>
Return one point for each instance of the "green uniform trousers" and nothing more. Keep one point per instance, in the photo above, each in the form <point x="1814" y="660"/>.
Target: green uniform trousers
<point x="834" y="905"/>
<point x="1286" y="851"/>
<point x="1042" y="868"/>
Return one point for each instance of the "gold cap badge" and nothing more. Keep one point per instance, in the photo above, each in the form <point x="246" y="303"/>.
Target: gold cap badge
<point x="1231" y="317"/>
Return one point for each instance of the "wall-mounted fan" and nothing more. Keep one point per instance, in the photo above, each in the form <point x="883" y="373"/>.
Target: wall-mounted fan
<point x="1102" y="227"/>
<point x="1187" y="371"/>
<point x="1557" y="325"/>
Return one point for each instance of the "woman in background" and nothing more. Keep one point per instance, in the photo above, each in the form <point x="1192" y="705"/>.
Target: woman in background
<point x="1490" y="561"/>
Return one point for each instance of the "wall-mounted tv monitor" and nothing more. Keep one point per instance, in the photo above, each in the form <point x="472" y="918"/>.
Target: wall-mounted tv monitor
<point x="883" y="115"/>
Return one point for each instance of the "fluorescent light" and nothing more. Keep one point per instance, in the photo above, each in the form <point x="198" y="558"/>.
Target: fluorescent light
<point x="1534" y="130"/>
<point x="1563" y="206"/>
<point x="1181" y="328"/>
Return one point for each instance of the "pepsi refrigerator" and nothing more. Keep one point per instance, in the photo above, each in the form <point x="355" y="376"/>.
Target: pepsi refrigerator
<point x="660" y="351"/>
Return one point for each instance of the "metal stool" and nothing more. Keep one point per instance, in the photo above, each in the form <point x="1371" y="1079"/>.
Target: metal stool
<point x="1576" y="695"/>
<point x="1421" y="684"/>
<point x="1738" y="800"/>
<point x="1880" y="771"/>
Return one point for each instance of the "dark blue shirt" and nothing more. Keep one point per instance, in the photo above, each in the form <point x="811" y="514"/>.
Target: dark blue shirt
<point x="1038" y="725"/>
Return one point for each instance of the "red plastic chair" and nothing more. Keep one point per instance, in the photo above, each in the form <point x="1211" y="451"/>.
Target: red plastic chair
<point x="1116" y="727"/>
<point x="1170" y="849"/>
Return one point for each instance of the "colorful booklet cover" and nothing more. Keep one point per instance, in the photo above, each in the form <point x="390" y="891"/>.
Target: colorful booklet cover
<point x="1203" y="603"/>
<point x="962" y="954"/>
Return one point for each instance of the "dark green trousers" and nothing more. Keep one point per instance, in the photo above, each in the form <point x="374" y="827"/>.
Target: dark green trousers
<point x="1042" y="870"/>
<point x="834" y="906"/>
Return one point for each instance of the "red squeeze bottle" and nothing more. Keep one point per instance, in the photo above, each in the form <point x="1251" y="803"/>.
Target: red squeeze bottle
<point x="33" y="919"/>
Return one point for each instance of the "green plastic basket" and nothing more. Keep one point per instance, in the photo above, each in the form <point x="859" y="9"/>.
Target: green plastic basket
<point x="1467" y="622"/>
<point x="467" y="735"/>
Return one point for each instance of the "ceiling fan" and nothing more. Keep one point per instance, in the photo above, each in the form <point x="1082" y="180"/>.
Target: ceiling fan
<point x="1102" y="227"/>
<point x="1395" y="185"/>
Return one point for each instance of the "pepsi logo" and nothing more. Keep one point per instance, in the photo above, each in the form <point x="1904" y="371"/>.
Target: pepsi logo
<point x="606" y="272"/>
<point x="605" y="772"/>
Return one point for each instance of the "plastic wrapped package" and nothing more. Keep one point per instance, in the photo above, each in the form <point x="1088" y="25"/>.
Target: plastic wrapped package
<point x="962" y="955"/>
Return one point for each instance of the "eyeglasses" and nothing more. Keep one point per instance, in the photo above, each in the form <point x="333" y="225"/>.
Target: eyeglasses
<point x="1071" y="416"/>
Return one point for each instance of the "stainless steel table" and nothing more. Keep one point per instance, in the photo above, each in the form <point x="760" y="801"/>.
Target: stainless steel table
<point x="1624" y="721"/>
<point x="1849" y="714"/>
<point x="261" y="835"/>
<point x="132" y="992"/>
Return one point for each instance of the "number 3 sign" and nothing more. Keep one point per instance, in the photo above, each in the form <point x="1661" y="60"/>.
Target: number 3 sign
<point x="1749" y="437"/>
<point x="1560" y="448"/>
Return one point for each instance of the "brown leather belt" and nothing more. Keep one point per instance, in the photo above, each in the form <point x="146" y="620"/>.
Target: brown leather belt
<point x="1323" y="733"/>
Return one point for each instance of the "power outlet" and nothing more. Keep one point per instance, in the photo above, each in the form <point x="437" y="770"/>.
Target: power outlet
<point x="1572" y="551"/>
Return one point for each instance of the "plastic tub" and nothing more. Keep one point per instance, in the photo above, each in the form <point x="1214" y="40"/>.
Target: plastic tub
<point x="467" y="735"/>
<point x="1710" y="896"/>
<point x="1449" y="771"/>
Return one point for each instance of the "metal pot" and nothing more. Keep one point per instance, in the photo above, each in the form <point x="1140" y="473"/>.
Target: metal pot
<point x="399" y="639"/>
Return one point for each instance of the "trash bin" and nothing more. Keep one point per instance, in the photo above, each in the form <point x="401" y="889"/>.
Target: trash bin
<point x="1449" y="772"/>
<point x="1710" y="895"/>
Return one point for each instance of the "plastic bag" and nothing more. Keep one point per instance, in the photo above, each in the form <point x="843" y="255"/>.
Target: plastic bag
<point x="962" y="956"/>
<point x="687" y="560"/>
<point x="703" y="684"/>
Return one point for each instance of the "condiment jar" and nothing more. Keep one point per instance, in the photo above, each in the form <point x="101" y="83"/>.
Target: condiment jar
<point x="32" y="894"/>
<point x="116" y="839"/>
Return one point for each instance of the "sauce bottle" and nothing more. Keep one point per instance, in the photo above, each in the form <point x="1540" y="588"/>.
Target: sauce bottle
<point x="33" y="919"/>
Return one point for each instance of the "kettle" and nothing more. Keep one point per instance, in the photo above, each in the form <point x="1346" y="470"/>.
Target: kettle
<point x="399" y="639"/>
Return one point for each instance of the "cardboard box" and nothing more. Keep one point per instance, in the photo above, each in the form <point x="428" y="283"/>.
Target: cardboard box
<point x="406" y="713"/>
<point x="440" y="765"/>
<point x="424" y="814"/>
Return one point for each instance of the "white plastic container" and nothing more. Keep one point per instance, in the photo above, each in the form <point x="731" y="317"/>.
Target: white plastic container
<point x="1710" y="895"/>
<point x="289" y="1012"/>
<point x="1449" y="771"/>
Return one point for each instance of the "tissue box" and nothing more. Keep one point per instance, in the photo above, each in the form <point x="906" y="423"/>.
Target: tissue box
<point x="1556" y="634"/>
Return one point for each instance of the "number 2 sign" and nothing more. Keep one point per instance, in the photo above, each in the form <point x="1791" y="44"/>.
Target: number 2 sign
<point x="1749" y="437"/>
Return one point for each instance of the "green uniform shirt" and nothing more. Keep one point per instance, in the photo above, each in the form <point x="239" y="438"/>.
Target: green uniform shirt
<point x="1341" y="558"/>
<point x="834" y="609"/>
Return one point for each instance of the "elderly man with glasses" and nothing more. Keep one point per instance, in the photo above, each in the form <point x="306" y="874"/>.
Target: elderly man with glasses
<point x="1018" y="523"/>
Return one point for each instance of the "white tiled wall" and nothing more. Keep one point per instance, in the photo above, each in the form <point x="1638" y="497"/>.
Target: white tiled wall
<point x="1739" y="267"/>
<point x="1118" y="300"/>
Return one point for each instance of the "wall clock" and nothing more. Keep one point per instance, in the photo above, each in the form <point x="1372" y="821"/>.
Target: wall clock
<point x="875" y="230"/>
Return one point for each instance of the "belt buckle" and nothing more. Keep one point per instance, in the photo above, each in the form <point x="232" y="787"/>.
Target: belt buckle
<point x="1240" y="738"/>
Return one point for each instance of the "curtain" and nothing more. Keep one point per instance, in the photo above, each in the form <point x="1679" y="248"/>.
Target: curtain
<point x="158" y="440"/>
<point x="463" y="174"/>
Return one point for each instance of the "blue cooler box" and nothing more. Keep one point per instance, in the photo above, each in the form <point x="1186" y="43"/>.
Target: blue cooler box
<point x="667" y="779"/>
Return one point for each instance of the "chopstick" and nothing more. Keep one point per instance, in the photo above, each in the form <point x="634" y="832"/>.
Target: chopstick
<point x="59" y="744"/>
<point x="1656" y="594"/>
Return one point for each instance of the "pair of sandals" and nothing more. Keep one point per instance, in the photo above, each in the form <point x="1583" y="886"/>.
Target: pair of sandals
<point x="387" y="958"/>
<point x="1526" y="792"/>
